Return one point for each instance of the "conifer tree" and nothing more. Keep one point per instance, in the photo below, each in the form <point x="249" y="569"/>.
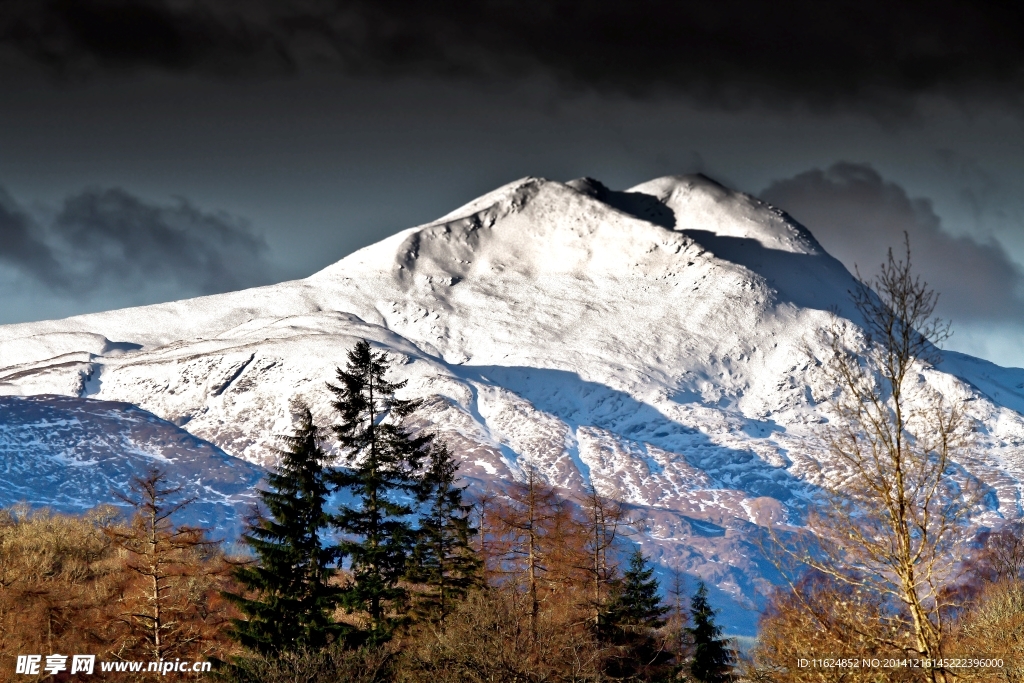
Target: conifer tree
<point x="632" y="617"/>
<point x="712" y="657"/>
<point x="443" y="559"/>
<point x="637" y="601"/>
<point x="295" y="598"/>
<point x="383" y="459"/>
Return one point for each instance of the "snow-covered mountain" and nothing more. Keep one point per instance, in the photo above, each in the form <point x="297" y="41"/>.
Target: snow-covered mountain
<point x="650" y="342"/>
<point x="70" y="454"/>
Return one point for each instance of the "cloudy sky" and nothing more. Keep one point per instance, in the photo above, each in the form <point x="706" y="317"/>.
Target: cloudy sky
<point x="156" y="149"/>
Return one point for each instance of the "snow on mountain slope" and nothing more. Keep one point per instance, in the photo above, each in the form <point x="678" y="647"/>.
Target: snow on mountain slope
<point x="650" y="342"/>
<point x="71" y="454"/>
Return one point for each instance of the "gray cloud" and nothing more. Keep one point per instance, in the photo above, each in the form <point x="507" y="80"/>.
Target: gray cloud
<point x="730" y="52"/>
<point x="109" y="240"/>
<point x="857" y="215"/>
<point x="22" y="247"/>
<point x="114" y="237"/>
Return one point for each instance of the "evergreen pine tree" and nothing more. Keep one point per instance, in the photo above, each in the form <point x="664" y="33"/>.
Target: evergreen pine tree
<point x="443" y="559"/>
<point x="632" y="617"/>
<point x="712" y="657"/>
<point x="637" y="601"/>
<point x="383" y="459"/>
<point x="294" y="597"/>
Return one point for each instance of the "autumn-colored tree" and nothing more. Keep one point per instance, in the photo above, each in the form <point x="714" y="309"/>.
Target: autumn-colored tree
<point x="162" y="609"/>
<point x="488" y="637"/>
<point x="530" y="533"/>
<point x="484" y="512"/>
<point x="992" y="628"/>
<point x="679" y="640"/>
<point x="66" y="587"/>
<point x="821" y="618"/>
<point x="602" y="525"/>
<point x="335" y="663"/>
<point x="58" y="576"/>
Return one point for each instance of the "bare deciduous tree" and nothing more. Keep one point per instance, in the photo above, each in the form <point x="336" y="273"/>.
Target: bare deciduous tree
<point x="523" y="528"/>
<point x="167" y="558"/>
<point x="993" y="628"/>
<point x="604" y="522"/>
<point x="1003" y="554"/>
<point x="894" y="505"/>
<point x="821" y="617"/>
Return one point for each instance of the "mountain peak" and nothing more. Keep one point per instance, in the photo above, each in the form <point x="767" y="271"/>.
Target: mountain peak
<point x="543" y="226"/>
<point x="704" y="205"/>
<point x="657" y="232"/>
<point x="535" y="227"/>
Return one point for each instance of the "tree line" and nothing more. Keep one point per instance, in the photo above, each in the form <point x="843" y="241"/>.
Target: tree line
<point x="372" y="566"/>
<point x="402" y="571"/>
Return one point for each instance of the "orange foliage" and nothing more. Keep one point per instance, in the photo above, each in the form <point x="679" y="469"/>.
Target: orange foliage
<point x="66" y="588"/>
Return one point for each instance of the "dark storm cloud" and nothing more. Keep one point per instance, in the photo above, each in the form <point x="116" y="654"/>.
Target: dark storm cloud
<point x="72" y="37"/>
<point x="857" y="215"/>
<point x="21" y="246"/>
<point x="114" y="237"/>
<point x="728" y="52"/>
<point x="110" y="239"/>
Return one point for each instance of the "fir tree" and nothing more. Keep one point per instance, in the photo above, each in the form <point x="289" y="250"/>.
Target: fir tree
<point x="443" y="559"/>
<point x="294" y="597"/>
<point x="383" y="459"/>
<point x="712" y="657"/>
<point x="633" y="615"/>
<point x="637" y="601"/>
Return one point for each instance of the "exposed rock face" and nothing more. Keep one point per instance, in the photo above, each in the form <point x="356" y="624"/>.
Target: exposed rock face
<point x="652" y="343"/>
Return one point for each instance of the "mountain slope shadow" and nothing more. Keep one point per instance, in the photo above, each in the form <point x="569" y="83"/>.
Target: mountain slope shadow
<point x="637" y="204"/>
<point x="70" y="454"/>
<point x="816" y="281"/>
<point x="581" y="403"/>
